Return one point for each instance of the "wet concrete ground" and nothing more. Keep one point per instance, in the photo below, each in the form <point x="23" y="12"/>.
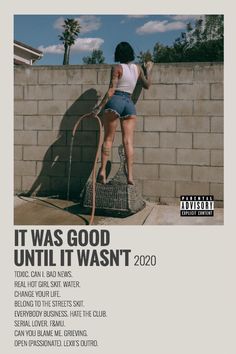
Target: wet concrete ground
<point x="46" y="211"/>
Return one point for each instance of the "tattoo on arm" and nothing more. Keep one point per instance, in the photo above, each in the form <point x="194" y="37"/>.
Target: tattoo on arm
<point x="114" y="78"/>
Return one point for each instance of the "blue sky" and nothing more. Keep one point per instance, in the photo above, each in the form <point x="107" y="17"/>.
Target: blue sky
<point x="98" y="32"/>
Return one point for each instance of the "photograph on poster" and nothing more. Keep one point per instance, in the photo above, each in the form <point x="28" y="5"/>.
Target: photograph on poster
<point x="118" y="119"/>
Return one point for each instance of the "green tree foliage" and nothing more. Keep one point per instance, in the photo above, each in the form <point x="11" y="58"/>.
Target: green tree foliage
<point x="202" y="42"/>
<point x="96" y="57"/>
<point x="68" y="37"/>
<point x="144" y="57"/>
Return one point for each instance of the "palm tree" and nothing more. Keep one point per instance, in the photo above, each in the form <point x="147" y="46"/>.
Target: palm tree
<point x="68" y="37"/>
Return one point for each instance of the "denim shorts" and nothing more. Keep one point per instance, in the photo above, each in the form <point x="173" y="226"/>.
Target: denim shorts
<point x="121" y="104"/>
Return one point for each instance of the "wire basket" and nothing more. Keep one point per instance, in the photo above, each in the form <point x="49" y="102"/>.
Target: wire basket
<point x="116" y="197"/>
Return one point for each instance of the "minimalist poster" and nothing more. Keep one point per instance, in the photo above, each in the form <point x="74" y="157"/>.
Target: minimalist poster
<point x="117" y="150"/>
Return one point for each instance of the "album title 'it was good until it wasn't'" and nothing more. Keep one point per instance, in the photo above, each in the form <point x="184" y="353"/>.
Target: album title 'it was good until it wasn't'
<point x="85" y="248"/>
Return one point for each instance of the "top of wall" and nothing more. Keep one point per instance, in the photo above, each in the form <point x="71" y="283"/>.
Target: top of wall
<point x="105" y="66"/>
<point x="165" y="73"/>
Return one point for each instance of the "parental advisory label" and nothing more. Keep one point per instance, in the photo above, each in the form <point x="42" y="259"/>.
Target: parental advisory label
<point x="197" y="205"/>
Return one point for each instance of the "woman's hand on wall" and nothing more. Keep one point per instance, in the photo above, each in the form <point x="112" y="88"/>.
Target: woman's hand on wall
<point x="148" y="66"/>
<point x="145" y="74"/>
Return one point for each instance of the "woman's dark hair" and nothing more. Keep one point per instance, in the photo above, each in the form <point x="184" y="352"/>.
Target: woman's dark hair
<point x="124" y="52"/>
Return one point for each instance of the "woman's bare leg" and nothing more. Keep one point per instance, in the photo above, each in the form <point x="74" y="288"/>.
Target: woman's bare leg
<point x="127" y="127"/>
<point x="110" y="125"/>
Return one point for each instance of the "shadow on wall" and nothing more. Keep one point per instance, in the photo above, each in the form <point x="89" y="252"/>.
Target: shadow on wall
<point x="53" y="177"/>
<point x="137" y="91"/>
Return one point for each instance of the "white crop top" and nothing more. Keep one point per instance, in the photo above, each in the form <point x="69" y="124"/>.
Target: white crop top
<point x="129" y="78"/>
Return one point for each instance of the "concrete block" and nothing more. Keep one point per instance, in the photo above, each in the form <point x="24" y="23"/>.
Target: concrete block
<point x="159" y="188"/>
<point x="176" y="73"/>
<point x="52" y="107"/>
<point x="18" y="92"/>
<point x="36" y="153"/>
<point x="25" y="168"/>
<point x="161" y="91"/>
<point x="143" y="139"/>
<point x="82" y="76"/>
<point x="145" y="171"/>
<point x="217" y="124"/>
<point x="51" y="137"/>
<point x="25" y="107"/>
<point x="193" y="124"/>
<point x="118" y="139"/>
<point x="139" y="185"/>
<point x="138" y="155"/>
<point x="88" y="153"/>
<point x="217" y="158"/>
<point x="38" y="122"/>
<point x="17" y="184"/>
<point x="62" y="153"/>
<point x="66" y="92"/>
<point x="208" y="141"/>
<point x="160" y="123"/>
<point x="217" y="91"/>
<point x="195" y="91"/>
<point x="18" y="152"/>
<point x="163" y="156"/>
<point x="175" y="140"/>
<point x="208" y="174"/>
<point x="66" y="122"/>
<point x="57" y="121"/>
<point x="176" y="108"/>
<point x="217" y="190"/>
<point x="156" y="73"/>
<point x="175" y="173"/>
<point x="193" y="157"/>
<point x="192" y="188"/>
<point x="90" y="124"/>
<point x="52" y="76"/>
<point x="39" y="92"/>
<point x="49" y="169"/>
<point x="139" y="124"/>
<point x="208" y="73"/>
<point x="92" y="89"/>
<point x="79" y="107"/>
<point x="104" y="76"/>
<point x="150" y="107"/>
<point x="208" y="107"/>
<point x="25" y="76"/>
<point x="114" y="155"/>
<point x="18" y="122"/>
<point x="84" y="138"/>
<point x="118" y="128"/>
<point x="81" y="169"/>
<point x="25" y="138"/>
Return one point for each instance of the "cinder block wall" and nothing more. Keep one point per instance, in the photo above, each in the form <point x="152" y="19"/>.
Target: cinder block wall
<point x="178" y="138"/>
